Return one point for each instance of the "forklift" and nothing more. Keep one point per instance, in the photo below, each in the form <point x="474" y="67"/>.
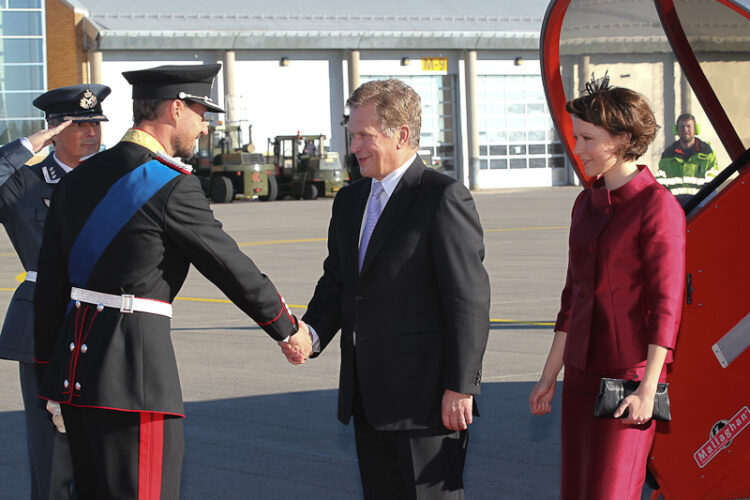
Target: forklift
<point x="303" y="167"/>
<point x="229" y="169"/>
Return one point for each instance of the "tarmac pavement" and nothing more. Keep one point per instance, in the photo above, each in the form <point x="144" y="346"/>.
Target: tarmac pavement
<point x="259" y="428"/>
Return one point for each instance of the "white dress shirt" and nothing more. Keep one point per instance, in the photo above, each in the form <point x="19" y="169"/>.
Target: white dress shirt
<point x="62" y="165"/>
<point x="389" y="184"/>
<point x="27" y="144"/>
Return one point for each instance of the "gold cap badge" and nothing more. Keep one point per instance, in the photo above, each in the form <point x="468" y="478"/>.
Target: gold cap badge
<point x="88" y="100"/>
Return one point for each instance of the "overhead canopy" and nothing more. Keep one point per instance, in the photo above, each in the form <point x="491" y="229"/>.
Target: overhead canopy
<point x="298" y="24"/>
<point x="633" y="26"/>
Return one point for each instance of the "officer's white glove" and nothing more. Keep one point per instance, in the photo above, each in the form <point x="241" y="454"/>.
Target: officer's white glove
<point x="57" y="419"/>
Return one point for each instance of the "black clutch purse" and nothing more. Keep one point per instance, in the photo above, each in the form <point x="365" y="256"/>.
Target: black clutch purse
<point x="613" y="390"/>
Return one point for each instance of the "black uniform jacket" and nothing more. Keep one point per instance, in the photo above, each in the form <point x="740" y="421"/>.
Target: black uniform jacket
<point x="419" y="307"/>
<point x="25" y="192"/>
<point x="125" y="361"/>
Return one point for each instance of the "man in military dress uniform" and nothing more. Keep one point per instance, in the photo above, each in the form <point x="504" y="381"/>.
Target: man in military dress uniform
<point x="122" y="230"/>
<point x="74" y="114"/>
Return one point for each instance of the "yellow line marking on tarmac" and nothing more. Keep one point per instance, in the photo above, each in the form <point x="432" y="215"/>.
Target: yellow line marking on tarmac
<point x="520" y="322"/>
<point x="278" y="242"/>
<point x="510" y="376"/>
<point x="297" y="306"/>
<point x="313" y="240"/>
<point x="538" y="228"/>
<point x="224" y="301"/>
<point x="310" y="240"/>
<point x="197" y="299"/>
<point x="20" y="277"/>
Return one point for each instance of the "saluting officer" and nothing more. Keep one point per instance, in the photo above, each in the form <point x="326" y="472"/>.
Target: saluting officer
<point x="122" y="231"/>
<point x="74" y="114"/>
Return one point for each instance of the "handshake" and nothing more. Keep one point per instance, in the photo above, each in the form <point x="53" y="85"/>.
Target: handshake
<point x="299" y="346"/>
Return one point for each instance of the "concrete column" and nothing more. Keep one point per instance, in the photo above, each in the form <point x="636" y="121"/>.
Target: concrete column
<point x="472" y="119"/>
<point x="353" y="64"/>
<point x="229" y="95"/>
<point x="95" y="66"/>
<point x="585" y="73"/>
<point x="686" y="95"/>
<point x="336" y="96"/>
<point x="671" y="83"/>
<point x="583" y="70"/>
<point x="573" y="81"/>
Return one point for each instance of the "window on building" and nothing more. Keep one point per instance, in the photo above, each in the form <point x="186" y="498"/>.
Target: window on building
<point x="515" y="130"/>
<point x="22" y="67"/>
<point x="438" y="134"/>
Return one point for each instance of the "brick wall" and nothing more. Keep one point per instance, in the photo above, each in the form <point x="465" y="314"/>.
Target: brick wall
<point x="66" y="60"/>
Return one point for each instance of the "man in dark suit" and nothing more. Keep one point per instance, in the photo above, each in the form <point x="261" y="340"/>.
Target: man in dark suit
<point x="74" y="114"/>
<point x="122" y="231"/>
<point x="404" y="282"/>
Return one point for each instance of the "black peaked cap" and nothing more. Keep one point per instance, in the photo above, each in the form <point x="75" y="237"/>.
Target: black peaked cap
<point x="189" y="83"/>
<point x="79" y="103"/>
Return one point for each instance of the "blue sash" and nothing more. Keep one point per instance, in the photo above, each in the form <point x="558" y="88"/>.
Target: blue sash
<point x="121" y="202"/>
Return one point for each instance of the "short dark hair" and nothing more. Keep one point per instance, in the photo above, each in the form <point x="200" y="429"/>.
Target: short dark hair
<point x="396" y="104"/>
<point x="147" y="109"/>
<point x="683" y="117"/>
<point x="618" y="111"/>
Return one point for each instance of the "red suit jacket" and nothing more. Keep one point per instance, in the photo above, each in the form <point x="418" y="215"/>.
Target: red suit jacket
<point x="626" y="275"/>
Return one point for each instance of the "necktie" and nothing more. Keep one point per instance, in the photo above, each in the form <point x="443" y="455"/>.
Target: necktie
<point x="374" y="209"/>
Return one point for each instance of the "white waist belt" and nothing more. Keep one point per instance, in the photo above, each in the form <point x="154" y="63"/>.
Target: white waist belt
<point x="30" y="276"/>
<point x="125" y="303"/>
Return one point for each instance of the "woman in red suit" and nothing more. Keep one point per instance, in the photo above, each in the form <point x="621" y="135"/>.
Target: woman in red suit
<point x="622" y="299"/>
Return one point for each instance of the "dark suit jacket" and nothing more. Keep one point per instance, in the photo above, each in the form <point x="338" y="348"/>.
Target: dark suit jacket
<point x="626" y="275"/>
<point x="420" y="306"/>
<point x="24" y="194"/>
<point x="129" y="363"/>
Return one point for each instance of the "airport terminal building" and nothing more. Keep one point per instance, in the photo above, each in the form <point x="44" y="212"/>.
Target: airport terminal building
<point x="288" y="68"/>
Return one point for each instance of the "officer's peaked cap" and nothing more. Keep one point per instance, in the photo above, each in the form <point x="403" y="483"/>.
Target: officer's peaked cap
<point x="189" y="83"/>
<point x="79" y="103"/>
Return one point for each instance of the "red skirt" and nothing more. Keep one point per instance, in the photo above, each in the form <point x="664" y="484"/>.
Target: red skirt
<point x="602" y="458"/>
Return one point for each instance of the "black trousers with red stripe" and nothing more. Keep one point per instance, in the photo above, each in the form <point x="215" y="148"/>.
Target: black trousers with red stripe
<point x="49" y="452"/>
<point x="128" y="455"/>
